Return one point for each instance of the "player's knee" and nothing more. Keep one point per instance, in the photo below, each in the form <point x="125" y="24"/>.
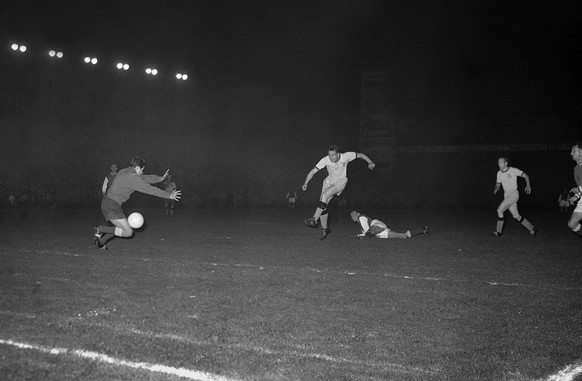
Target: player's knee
<point x="127" y="232"/>
<point x="499" y="213"/>
<point x="572" y="225"/>
<point x="518" y="218"/>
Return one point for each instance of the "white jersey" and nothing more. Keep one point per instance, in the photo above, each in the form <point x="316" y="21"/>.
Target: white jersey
<point x="339" y="169"/>
<point x="508" y="179"/>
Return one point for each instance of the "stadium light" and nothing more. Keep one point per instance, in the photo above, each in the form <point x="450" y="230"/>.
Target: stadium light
<point x="120" y="66"/>
<point x="91" y="60"/>
<point x="87" y="59"/>
<point x="151" y="71"/>
<point x="18" y="48"/>
<point x="54" y="53"/>
<point x="125" y="67"/>
<point x="154" y="71"/>
<point x="182" y="76"/>
<point x="94" y="61"/>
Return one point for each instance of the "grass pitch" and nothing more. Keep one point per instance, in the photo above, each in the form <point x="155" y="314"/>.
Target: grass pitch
<point x="255" y="295"/>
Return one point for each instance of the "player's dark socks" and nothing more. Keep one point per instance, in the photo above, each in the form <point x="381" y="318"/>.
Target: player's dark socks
<point x="106" y="229"/>
<point x="528" y="225"/>
<point x="105" y="238"/>
<point x="425" y="231"/>
<point x="500" y="223"/>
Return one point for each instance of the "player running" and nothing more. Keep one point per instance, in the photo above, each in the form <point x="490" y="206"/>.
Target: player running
<point x="507" y="177"/>
<point x="126" y="182"/>
<point x="334" y="184"/>
<point x="109" y="178"/>
<point x="169" y="204"/>
<point x="576" y="217"/>
<point x="376" y="228"/>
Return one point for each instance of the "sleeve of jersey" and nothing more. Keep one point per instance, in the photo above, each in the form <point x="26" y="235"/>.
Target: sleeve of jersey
<point x="141" y="185"/>
<point x="518" y="172"/>
<point x="152" y="179"/>
<point x="321" y="164"/>
<point x="499" y="177"/>
<point x="350" y="156"/>
<point x="364" y="224"/>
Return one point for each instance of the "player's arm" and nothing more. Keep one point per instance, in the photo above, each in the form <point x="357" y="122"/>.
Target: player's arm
<point x="154" y="179"/>
<point x="309" y="177"/>
<point x="527" y="183"/>
<point x="104" y="187"/>
<point x="365" y="157"/>
<point x="143" y="186"/>
<point x="497" y="188"/>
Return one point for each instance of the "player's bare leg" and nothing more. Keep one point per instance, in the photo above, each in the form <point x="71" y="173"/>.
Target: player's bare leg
<point x="505" y="204"/>
<point x="103" y="234"/>
<point x="522" y="220"/>
<point x="574" y="223"/>
<point x="326" y="196"/>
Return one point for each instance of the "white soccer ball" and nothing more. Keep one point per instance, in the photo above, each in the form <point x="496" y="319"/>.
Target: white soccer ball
<point x="135" y="220"/>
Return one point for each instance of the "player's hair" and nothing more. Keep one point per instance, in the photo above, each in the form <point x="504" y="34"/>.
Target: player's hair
<point x="506" y="158"/>
<point x="333" y="148"/>
<point x="137" y="162"/>
<point x="578" y="145"/>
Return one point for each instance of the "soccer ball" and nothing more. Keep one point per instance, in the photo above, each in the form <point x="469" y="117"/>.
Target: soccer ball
<point x="135" y="220"/>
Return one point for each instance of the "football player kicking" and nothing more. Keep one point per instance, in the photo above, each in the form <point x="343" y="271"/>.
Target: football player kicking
<point x="376" y="228"/>
<point x="507" y="177"/>
<point x="576" y="217"/>
<point x="126" y="182"/>
<point x="334" y="184"/>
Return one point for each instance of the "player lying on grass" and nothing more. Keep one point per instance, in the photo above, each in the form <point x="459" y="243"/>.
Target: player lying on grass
<point x="576" y="217"/>
<point x="507" y="177"/>
<point x="376" y="228"/>
<point x="126" y="182"/>
<point x="336" y="164"/>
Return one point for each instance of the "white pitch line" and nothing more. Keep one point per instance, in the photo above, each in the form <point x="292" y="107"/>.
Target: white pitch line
<point x="99" y="357"/>
<point x="569" y="373"/>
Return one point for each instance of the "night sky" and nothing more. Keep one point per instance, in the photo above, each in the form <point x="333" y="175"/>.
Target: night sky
<point x="274" y="82"/>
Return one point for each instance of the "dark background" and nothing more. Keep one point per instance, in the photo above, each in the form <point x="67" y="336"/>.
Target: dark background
<point x="273" y="83"/>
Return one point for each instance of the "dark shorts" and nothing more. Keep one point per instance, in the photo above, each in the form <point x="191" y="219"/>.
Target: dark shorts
<point x="111" y="210"/>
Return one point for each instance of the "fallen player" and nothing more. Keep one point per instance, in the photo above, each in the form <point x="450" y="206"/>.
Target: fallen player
<point x="376" y="228"/>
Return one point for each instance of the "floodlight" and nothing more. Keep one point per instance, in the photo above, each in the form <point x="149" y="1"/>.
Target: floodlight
<point x="94" y="61"/>
<point x="87" y="59"/>
<point x="22" y="48"/>
<point x="179" y="76"/>
<point x="14" y="46"/>
<point x="120" y="66"/>
<point x="59" y="54"/>
<point x="155" y="72"/>
<point x="148" y="71"/>
<point x="184" y="76"/>
<point x="125" y="67"/>
<point x="52" y="53"/>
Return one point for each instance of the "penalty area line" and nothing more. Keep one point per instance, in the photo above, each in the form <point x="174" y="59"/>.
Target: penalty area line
<point x="99" y="357"/>
<point x="569" y="373"/>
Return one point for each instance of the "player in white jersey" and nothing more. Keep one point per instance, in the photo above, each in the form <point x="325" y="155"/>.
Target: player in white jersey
<point x="507" y="177"/>
<point x="336" y="164"/>
<point x="376" y="228"/>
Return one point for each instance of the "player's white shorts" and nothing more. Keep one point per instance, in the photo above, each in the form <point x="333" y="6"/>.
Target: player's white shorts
<point x="384" y="233"/>
<point x="337" y="185"/>
<point x="578" y="207"/>
<point x="510" y="200"/>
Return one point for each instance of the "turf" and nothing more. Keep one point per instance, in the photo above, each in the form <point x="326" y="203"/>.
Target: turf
<point x="255" y="295"/>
